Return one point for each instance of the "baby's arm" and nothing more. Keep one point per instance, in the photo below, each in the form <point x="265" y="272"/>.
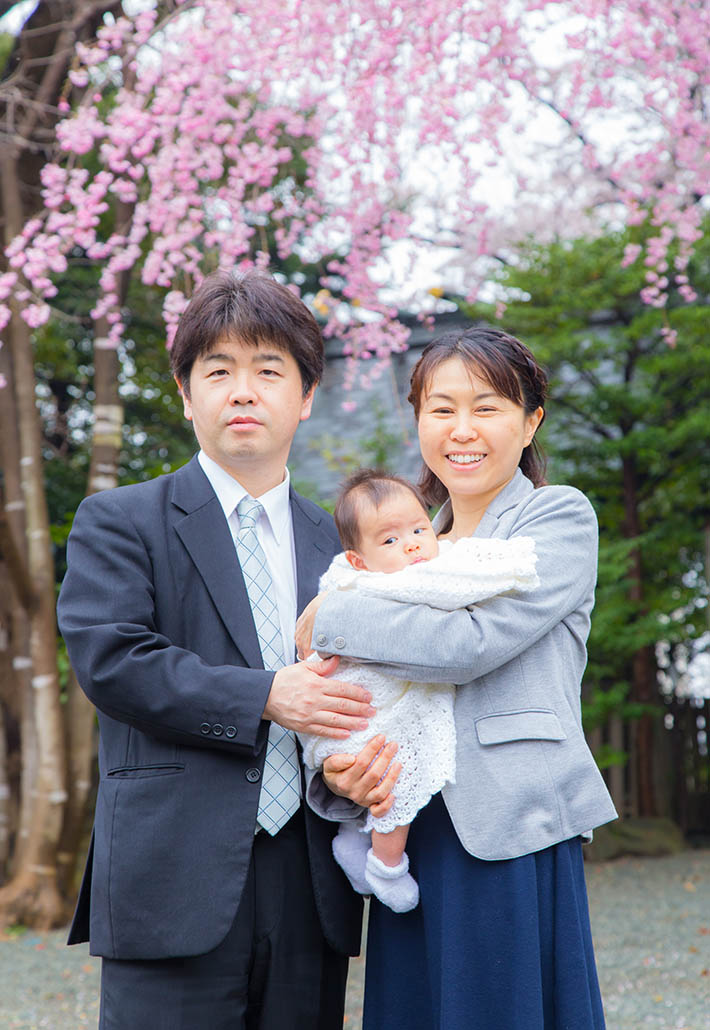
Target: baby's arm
<point x="464" y="573"/>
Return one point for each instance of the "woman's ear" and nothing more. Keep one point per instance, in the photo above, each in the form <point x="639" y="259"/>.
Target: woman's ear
<point x="356" y="561"/>
<point x="532" y="422"/>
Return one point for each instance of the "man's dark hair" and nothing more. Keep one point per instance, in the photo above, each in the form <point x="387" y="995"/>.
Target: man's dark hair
<point x="254" y="308"/>
<point x="375" y="486"/>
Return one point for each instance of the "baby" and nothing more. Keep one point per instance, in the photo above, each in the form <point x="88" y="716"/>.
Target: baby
<point x="391" y="550"/>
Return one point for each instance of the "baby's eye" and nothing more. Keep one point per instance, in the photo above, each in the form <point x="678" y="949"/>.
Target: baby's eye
<point x="390" y="540"/>
<point x="420" y="529"/>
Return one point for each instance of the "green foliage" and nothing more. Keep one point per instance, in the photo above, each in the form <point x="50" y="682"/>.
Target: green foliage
<point x="628" y="419"/>
<point x="7" y="42"/>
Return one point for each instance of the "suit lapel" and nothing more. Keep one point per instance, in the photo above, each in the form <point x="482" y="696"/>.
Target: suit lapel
<point x="205" y="535"/>
<point x="314" y="550"/>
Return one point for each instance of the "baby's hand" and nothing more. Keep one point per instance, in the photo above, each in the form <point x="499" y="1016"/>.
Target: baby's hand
<point x="366" y="778"/>
<point x="304" y="625"/>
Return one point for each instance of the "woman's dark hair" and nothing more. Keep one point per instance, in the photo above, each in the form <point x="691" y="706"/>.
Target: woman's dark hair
<point x="506" y="365"/>
<point x="254" y="308"/>
<point x="375" y="485"/>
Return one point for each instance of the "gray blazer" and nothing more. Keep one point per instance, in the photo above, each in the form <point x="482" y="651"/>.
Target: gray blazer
<point x="525" y="777"/>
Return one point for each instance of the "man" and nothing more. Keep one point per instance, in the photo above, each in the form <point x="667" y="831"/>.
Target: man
<point x="210" y="889"/>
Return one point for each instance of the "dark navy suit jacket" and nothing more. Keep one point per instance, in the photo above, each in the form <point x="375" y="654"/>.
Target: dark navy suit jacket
<point x="159" y="629"/>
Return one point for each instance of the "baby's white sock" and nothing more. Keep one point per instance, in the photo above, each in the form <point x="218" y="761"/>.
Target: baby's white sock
<point x="350" y="848"/>
<point x="392" y="885"/>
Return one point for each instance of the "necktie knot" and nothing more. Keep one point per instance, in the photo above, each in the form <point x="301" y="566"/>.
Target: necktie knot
<point x="249" y="511"/>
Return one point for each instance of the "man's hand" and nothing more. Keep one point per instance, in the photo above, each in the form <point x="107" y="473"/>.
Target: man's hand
<point x="302" y="698"/>
<point x="367" y="778"/>
<point x="304" y="625"/>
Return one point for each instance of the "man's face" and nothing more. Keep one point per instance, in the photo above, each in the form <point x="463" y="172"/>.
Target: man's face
<point x="245" y="403"/>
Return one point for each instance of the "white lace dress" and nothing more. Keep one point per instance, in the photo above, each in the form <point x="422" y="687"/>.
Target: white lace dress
<point x="420" y="716"/>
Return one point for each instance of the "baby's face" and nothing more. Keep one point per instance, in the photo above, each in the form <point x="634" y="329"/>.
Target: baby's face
<point x="396" y="534"/>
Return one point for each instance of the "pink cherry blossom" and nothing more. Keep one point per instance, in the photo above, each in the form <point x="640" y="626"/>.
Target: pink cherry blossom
<point x="400" y="116"/>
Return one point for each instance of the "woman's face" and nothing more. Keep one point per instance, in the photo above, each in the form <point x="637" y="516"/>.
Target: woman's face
<point x="471" y="437"/>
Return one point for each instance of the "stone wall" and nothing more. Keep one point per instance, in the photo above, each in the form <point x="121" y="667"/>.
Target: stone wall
<point x="380" y="430"/>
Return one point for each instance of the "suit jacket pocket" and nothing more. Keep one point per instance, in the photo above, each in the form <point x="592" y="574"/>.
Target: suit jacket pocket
<point x="531" y="724"/>
<point x="141" y="771"/>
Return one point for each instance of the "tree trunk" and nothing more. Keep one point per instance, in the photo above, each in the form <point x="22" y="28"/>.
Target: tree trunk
<point x="80" y="724"/>
<point x="643" y="674"/>
<point x="15" y="682"/>
<point x="32" y="896"/>
<point x="80" y="719"/>
<point x="34" y="81"/>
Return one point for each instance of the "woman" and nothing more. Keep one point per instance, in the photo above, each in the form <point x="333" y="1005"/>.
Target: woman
<point x="501" y="938"/>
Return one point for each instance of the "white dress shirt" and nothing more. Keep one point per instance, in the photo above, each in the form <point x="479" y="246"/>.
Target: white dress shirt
<point x="275" y="532"/>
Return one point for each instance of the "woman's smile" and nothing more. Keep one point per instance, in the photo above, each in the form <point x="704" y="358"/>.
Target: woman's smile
<point x="465" y="459"/>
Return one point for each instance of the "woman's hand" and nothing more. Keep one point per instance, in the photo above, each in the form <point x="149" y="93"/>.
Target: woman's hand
<point x="304" y="626"/>
<point x="366" y="778"/>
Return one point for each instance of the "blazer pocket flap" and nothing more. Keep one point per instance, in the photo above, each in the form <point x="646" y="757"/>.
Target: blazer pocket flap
<point x="141" y="772"/>
<point x="529" y="725"/>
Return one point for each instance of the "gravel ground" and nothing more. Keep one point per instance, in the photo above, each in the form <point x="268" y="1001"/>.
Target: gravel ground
<point x="651" y="925"/>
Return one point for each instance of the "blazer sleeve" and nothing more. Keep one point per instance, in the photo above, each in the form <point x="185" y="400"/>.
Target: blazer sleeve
<point x="425" y="644"/>
<point x="129" y="669"/>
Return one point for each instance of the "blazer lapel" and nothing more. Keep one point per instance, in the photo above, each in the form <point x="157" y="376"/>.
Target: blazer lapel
<point x="314" y="550"/>
<point x="205" y="535"/>
<point x="510" y="495"/>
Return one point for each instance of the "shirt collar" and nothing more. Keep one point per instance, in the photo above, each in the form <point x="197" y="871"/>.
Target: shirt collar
<point x="229" y="491"/>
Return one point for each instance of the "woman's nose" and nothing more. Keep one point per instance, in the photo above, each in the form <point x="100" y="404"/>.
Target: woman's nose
<point x="464" y="430"/>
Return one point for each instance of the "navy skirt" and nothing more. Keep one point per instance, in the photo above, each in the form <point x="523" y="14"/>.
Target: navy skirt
<point x="491" y="946"/>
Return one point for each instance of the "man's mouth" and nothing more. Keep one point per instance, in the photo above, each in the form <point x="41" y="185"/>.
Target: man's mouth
<point x="243" y="420"/>
<point x="465" y="459"/>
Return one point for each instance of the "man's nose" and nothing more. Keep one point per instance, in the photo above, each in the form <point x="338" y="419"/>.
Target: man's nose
<point x="242" y="391"/>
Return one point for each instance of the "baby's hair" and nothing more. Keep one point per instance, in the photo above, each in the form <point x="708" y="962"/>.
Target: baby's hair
<point x="375" y="485"/>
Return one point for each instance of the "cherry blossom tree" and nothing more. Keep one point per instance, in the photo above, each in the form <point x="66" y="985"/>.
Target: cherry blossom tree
<point x="389" y="96"/>
<point x="455" y="126"/>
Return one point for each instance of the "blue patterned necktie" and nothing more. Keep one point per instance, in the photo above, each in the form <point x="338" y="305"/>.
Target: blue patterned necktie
<point x="280" y="785"/>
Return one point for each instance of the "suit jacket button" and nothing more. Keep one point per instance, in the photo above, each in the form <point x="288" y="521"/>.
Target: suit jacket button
<point x="230" y="732"/>
<point x="339" y="641"/>
<point x="205" y="728"/>
<point x="253" y="775"/>
<point x="321" y="640"/>
<point x="218" y="729"/>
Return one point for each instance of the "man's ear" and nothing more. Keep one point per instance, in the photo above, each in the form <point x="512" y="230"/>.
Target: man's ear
<point x="356" y="561"/>
<point x="308" y="403"/>
<point x="186" y="406"/>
